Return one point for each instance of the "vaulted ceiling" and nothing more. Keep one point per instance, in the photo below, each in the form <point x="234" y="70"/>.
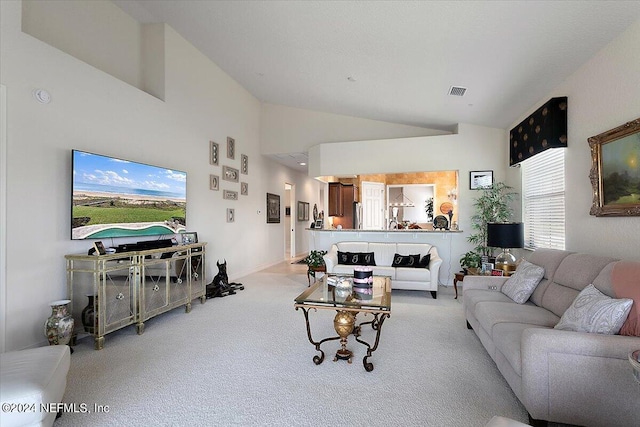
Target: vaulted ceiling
<point x="396" y="61"/>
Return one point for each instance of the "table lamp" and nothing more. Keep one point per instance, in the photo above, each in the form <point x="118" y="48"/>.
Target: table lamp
<point x="505" y="235"/>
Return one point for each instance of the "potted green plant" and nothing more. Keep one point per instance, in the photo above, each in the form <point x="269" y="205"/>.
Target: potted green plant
<point x="314" y="259"/>
<point x="470" y="261"/>
<point x="428" y="208"/>
<point x="493" y="205"/>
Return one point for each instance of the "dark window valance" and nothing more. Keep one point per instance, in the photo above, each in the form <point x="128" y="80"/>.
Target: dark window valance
<point x="545" y="128"/>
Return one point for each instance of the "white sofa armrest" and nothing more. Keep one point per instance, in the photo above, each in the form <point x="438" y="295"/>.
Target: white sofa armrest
<point x="331" y="258"/>
<point x="557" y="363"/>
<point x="434" y="265"/>
<point x="493" y="283"/>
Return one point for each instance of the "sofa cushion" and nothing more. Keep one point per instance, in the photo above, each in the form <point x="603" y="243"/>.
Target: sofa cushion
<point x="625" y="280"/>
<point x="491" y="313"/>
<point x="406" y="260"/>
<point x="574" y="273"/>
<point x="506" y="337"/>
<point x="471" y="297"/>
<point x="521" y="285"/>
<point x="356" y="258"/>
<point x="413" y="274"/>
<point x="384" y="252"/>
<point x="549" y="259"/>
<point x="593" y="311"/>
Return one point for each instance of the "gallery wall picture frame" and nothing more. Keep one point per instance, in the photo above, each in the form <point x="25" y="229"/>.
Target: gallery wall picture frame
<point x="189" y="237"/>
<point x="231" y="215"/>
<point x="480" y="179"/>
<point x="273" y="208"/>
<point x="230" y="195"/>
<point x="244" y="164"/>
<point x="614" y="165"/>
<point x="244" y="188"/>
<point x="303" y="211"/>
<point x="231" y="148"/>
<point x="214" y="153"/>
<point x="230" y="174"/>
<point x="214" y="182"/>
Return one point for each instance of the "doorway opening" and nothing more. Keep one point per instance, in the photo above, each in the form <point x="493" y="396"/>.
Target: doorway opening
<point x="289" y="221"/>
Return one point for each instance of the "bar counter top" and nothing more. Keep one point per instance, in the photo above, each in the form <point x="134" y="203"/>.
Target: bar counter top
<point x="405" y="230"/>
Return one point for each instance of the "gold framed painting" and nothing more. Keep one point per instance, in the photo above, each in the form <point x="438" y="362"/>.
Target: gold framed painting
<point x="615" y="171"/>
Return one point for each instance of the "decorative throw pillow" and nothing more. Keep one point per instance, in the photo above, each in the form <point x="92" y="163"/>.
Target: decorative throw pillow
<point x="625" y="281"/>
<point x="356" y="258"/>
<point x="521" y="285"/>
<point x="424" y="261"/>
<point x="593" y="311"/>
<point x="405" y="260"/>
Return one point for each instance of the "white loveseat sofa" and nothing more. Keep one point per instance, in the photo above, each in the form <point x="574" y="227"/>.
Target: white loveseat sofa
<point x="412" y="278"/>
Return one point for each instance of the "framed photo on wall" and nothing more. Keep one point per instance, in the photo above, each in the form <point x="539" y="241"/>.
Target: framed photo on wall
<point x="214" y="182"/>
<point x="244" y="164"/>
<point x="214" y="153"/>
<point x="231" y="148"/>
<point x="480" y="179"/>
<point x="303" y="211"/>
<point x="230" y="174"/>
<point x="273" y="208"/>
<point x="614" y="171"/>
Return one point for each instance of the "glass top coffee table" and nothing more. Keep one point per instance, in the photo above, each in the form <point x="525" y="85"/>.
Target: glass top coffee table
<point x="332" y="293"/>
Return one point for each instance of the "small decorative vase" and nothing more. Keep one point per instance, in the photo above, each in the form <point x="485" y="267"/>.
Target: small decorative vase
<point x="88" y="315"/>
<point x="59" y="326"/>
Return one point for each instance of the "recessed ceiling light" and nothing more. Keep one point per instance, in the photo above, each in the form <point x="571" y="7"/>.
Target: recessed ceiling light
<point x="302" y="164"/>
<point x="351" y="79"/>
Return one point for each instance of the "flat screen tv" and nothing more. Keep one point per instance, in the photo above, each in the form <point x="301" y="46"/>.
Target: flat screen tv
<point x="120" y="198"/>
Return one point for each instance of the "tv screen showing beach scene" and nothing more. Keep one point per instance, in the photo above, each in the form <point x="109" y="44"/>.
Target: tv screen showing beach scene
<point x="121" y="198"/>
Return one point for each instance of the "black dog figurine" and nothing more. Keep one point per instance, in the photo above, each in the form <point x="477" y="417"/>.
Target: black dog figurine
<point x="220" y="286"/>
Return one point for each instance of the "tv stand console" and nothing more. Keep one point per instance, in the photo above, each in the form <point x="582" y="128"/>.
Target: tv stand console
<point x="109" y="292"/>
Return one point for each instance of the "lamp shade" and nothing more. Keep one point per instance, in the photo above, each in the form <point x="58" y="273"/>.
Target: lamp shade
<point x="505" y="234"/>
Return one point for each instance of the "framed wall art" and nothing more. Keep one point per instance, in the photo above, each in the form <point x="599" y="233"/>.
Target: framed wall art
<point x="244" y="164"/>
<point x="230" y="195"/>
<point x="303" y="211"/>
<point x="273" y="208"/>
<point x="231" y="148"/>
<point x="231" y="215"/>
<point x="189" y="237"/>
<point x="214" y="182"/>
<point x="480" y="179"/>
<point x="230" y="174"/>
<point x="615" y="171"/>
<point x="214" y="153"/>
<point x="244" y="188"/>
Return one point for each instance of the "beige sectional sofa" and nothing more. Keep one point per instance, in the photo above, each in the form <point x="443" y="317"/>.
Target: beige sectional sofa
<point x="424" y="279"/>
<point x="559" y="375"/>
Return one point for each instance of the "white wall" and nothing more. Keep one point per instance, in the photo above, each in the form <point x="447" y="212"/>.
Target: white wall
<point x="93" y="111"/>
<point x="602" y="94"/>
<point x="290" y="130"/>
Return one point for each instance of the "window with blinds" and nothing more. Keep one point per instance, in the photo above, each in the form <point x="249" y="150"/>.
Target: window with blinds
<point x="543" y="194"/>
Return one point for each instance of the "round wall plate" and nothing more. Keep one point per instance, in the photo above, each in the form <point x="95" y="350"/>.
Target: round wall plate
<point x="42" y="96"/>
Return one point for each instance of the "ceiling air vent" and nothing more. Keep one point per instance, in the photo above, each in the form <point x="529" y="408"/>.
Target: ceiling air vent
<point x="457" y="90"/>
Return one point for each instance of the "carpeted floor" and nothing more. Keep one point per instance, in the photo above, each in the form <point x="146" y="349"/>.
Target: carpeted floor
<point x="245" y="360"/>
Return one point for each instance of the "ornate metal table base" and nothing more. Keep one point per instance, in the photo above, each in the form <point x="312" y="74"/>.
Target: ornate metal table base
<point x="344" y="324"/>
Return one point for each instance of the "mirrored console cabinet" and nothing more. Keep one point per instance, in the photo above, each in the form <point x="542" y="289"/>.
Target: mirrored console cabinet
<point x="109" y="292"/>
